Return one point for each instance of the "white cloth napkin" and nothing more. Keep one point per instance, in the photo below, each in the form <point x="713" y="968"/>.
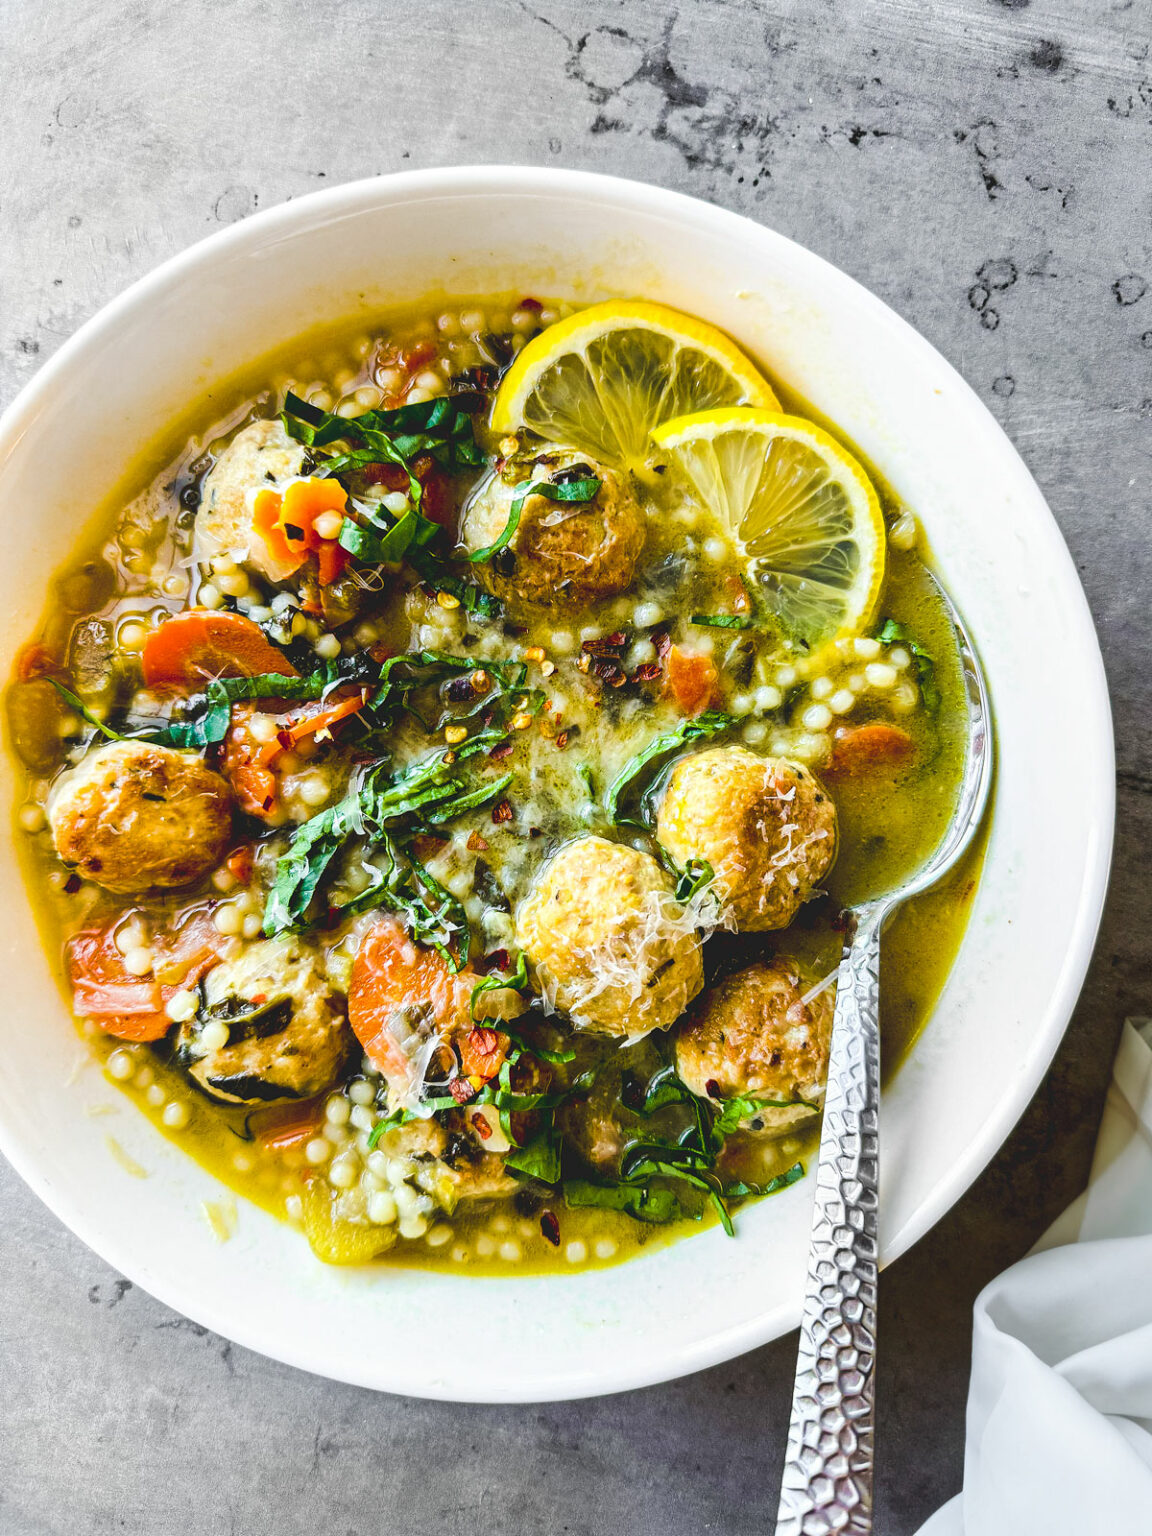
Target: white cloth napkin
<point x="1059" y="1433"/>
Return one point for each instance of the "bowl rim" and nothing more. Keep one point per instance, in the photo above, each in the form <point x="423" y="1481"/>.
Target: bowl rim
<point x="296" y="218"/>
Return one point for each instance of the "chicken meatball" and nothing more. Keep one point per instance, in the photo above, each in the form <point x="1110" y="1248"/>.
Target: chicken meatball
<point x="261" y="457"/>
<point x="610" y="945"/>
<point x="760" y="1034"/>
<point x="562" y="552"/>
<point x="132" y="815"/>
<point x="766" y="826"/>
<point x="268" y="1028"/>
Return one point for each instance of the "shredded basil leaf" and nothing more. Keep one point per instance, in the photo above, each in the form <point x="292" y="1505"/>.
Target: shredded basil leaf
<point x="722" y="620"/>
<point x="378" y="807"/>
<point x="741" y="1190"/>
<point x="734" y="1112"/>
<point x="75" y="702"/>
<point x="538" y="1158"/>
<point x="695" y="877"/>
<point x="441" y="428"/>
<point x="411" y="532"/>
<point x="925" y="663"/>
<point x="497" y="979"/>
<point x="568" y="490"/>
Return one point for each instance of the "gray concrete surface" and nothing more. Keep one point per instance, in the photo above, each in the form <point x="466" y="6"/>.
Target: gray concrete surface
<point x="983" y="165"/>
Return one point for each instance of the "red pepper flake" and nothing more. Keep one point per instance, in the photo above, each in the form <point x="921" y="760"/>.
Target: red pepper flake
<point x="606" y="644"/>
<point x="480" y="1126"/>
<point x="504" y="749"/>
<point x="533" y="304"/>
<point x="72" y="885"/>
<point x="496" y="961"/>
<point x="476" y="843"/>
<point x="741" y="602"/>
<point x="712" y="1088"/>
<point x="562" y="740"/>
<point x="462" y="1091"/>
<point x="484" y="1040"/>
<point x="261" y="997"/>
<point x="550" y="1228"/>
<point x="610" y="672"/>
<point x="502" y="811"/>
<point x="648" y="672"/>
<point x="285" y="739"/>
<point x="415" y="357"/>
<point x="35" y="660"/>
<point x="394" y="476"/>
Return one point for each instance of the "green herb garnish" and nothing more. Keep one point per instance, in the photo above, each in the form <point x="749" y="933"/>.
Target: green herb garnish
<point x="637" y="769"/>
<point x="378" y="807"/>
<point x="498" y="979"/>
<point x="722" y="620"/>
<point x="75" y="702"/>
<point x="924" y="662"/>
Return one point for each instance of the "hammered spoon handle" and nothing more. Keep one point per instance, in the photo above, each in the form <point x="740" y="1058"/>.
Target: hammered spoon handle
<point x="827" y="1483"/>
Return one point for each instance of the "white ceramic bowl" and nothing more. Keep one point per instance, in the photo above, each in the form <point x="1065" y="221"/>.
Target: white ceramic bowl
<point x="359" y="248"/>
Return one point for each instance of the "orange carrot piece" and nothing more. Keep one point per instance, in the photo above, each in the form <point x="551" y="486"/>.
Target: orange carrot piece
<point x="266" y="511"/>
<point x="692" y="680"/>
<point x="287" y="1125"/>
<point x="325" y="719"/>
<point x="287" y="524"/>
<point x="390" y="973"/>
<point x="193" y="647"/>
<point x="863" y="748"/>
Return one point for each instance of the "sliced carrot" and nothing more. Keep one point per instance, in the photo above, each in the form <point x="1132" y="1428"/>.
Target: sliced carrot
<point x="239" y="863"/>
<point x="246" y="764"/>
<point x="266" y="510"/>
<point x="200" y="644"/>
<point x="394" y="979"/>
<point x="692" y="680"/>
<point x="325" y="718"/>
<point x="863" y="748"/>
<point x="133" y="1007"/>
<point x="287" y="524"/>
<point x="332" y="561"/>
<point x="249" y="765"/>
<point x="287" y="1125"/>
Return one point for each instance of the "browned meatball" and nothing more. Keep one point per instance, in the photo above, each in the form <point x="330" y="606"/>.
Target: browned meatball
<point x="766" y="825"/>
<point x="610" y="945"/>
<point x="562" y="553"/>
<point x="132" y="815"/>
<point x="269" y="1027"/>
<point x="753" y="1035"/>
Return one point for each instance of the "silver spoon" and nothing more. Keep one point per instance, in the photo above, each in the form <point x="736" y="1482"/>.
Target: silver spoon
<point x="827" y="1483"/>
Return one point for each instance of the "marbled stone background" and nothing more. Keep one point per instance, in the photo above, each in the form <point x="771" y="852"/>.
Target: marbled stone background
<point x="983" y="165"/>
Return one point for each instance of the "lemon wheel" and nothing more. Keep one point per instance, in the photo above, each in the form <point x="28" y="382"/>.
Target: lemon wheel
<point x="602" y="379"/>
<point x="803" y="512"/>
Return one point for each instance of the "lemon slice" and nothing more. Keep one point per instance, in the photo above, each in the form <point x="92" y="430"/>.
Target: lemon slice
<point x="804" y="513"/>
<point x="602" y="379"/>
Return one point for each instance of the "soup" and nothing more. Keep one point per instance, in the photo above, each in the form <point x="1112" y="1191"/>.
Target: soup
<point x="445" y="780"/>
